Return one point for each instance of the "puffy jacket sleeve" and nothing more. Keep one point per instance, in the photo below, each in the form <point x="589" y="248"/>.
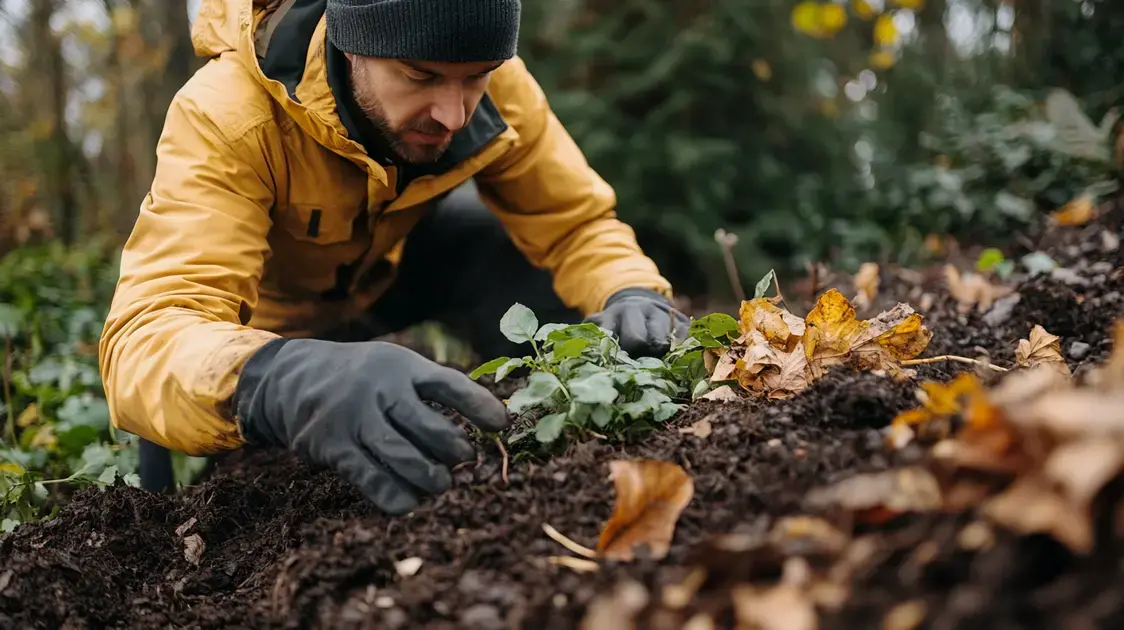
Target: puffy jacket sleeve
<point x="175" y="336"/>
<point x="557" y="209"/>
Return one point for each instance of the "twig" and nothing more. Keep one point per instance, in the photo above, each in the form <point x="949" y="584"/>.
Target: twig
<point x="559" y="538"/>
<point x="499" y="443"/>
<point x="727" y="241"/>
<point x="951" y="357"/>
<point x="577" y="564"/>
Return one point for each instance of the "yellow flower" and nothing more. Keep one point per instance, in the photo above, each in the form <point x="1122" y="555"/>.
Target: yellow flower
<point x="817" y="19"/>
<point x="912" y="5"/>
<point x="863" y="9"/>
<point x="885" y="33"/>
<point x="882" y="59"/>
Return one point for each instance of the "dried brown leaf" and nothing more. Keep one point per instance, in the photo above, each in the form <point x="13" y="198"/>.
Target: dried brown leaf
<point x="973" y="290"/>
<point x="771" y="371"/>
<point x="1079" y="211"/>
<point x="1030" y="506"/>
<point x="1041" y="350"/>
<point x="616" y="610"/>
<point x="724" y="369"/>
<point x="651" y="494"/>
<point x="780" y="607"/>
<point x="905" y="616"/>
<point x="866" y="285"/>
<point x="779" y="327"/>
<point x="193" y="548"/>
<point x="700" y="429"/>
<point x="876" y="497"/>
<point x="1109" y="377"/>
<point x="723" y="393"/>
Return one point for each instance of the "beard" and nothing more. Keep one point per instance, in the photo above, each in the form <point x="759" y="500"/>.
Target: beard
<point x="392" y="136"/>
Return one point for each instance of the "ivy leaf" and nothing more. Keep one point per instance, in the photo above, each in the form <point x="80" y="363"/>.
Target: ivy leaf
<point x="710" y="328"/>
<point x="550" y="427"/>
<point x="666" y="411"/>
<point x="594" y="389"/>
<point x="652" y="363"/>
<point x="540" y="386"/>
<point x="519" y="324"/>
<point x="649" y="402"/>
<point x="763" y="284"/>
<point x="489" y="368"/>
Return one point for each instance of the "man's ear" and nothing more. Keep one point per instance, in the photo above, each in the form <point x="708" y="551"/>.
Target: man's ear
<point x="350" y="57"/>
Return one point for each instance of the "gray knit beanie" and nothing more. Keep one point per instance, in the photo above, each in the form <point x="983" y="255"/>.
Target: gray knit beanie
<point x="426" y="30"/>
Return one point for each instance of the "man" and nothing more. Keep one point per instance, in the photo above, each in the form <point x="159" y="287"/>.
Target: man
<point x="301" y="207"/>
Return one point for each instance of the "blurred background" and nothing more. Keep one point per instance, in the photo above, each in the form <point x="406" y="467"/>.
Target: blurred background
<point x="816" y="131"/>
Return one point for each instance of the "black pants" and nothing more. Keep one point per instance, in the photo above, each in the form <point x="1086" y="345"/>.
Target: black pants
<point x="458" y="268"/>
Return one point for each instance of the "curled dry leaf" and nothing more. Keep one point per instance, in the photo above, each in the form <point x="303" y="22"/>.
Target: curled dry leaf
<point x="723" y="369"/>
<point x="1110" y="376"/>
<point x="1041" y="350"/>
<point x="878" y="497"/>
<point x="973" y="289"/>
<point x="651" y="494"/>
<point x="773" y="372"/>
<point x="866" y="285"/>
<point x="780" y="328"/>
<point x="1079" y="211"/>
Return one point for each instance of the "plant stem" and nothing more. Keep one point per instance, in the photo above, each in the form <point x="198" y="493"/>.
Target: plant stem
<point x="950" y="357"/>
<point x="503" y="473"/>
<point x="557" y="537"/>
<point x="576" y="564"/>
<point x="726" y="242"/>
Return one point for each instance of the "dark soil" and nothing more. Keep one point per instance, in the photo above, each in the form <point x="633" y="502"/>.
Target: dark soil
<point x="289" y="546"/>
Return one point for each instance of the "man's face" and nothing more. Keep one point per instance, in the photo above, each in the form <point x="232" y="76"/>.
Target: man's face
<point x="418" y="105"/>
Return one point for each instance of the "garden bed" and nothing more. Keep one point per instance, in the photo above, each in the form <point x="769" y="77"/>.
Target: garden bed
<point x="287" y="546"/>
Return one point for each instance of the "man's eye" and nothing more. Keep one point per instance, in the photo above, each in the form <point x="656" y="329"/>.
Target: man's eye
<point x="420" y="78"/>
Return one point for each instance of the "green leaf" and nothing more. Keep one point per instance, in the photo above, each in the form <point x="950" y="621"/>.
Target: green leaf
<point x="95" y="459"/>
<point x="547" y="330"/>
<point x="540" y="387"/>
<point x="506" y="368"/>
<point x="8" y="525"/>
<point x="763" y="284"/>
<point x="550" y="427"/>
<point x="108" y="476"/>
<point x="11" y="319"/>
<point x="989" y="258"/>
<point x="519" y="324"/>
<point x="488" y="368"/>
<point x="649" y="403"/>
<point x="666" y="411"/>
<point x="602" y="415"/>
<point x="593" y="390"/>
<point x="133" y="480"/>
<point x="652" y="363"/>
<point x="1038" y="262"/>
<point x="701" y="388"/>
<point x="570" y="348"/>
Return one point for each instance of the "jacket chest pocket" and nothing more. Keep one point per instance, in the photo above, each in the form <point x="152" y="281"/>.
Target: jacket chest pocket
<point x="309" y="243"/>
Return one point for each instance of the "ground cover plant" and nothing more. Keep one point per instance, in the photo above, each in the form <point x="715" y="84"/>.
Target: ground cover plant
<point x="972" y="480"/>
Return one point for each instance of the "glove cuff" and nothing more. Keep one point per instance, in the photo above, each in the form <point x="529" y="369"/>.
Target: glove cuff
<point x="636" y="292"/>
<point x="250" y="398"/>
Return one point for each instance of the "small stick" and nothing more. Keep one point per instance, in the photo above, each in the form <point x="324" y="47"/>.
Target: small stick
<point x="577" y="564"/>
<point x="499" y="444"/>
<point x="950" y="357"/>
<point x="567" y="543"/>
<point x="726" y="241"/>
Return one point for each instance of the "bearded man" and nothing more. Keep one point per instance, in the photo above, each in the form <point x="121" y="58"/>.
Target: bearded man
<point x="339" y="170"/>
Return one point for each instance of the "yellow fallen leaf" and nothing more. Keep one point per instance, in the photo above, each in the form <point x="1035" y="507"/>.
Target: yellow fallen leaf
<point x="904" y="340"/>
<point x="1030" y="506"/>
<point x="831" y="331"/>
<point x="1077" y="212"/>
<point x="877" y="497"/>
<point x="779" y="327"/>
<point x="866" y="285"/>
<point x="28" y="416"/>
<point x="651" y="494"/>
<point x="973" y="290"/>
<point x="1041" y="350"/>
<point x="11" y="468"/>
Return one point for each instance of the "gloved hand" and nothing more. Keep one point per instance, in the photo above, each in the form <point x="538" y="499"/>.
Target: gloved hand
<point x="643" y="321"/>
<point x="358" y="408"/>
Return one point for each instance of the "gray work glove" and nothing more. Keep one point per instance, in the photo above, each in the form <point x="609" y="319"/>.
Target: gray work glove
<point x="643" y="321"/>
<point x="359" y="408"/>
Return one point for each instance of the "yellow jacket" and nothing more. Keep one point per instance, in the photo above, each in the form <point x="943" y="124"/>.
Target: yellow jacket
<point x="260" y="196"/>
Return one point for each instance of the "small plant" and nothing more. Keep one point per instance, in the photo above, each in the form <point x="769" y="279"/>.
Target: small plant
<point x="582" y="380"/>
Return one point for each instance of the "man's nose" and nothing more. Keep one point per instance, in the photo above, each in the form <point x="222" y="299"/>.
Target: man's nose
<point x="449" y="107"/>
